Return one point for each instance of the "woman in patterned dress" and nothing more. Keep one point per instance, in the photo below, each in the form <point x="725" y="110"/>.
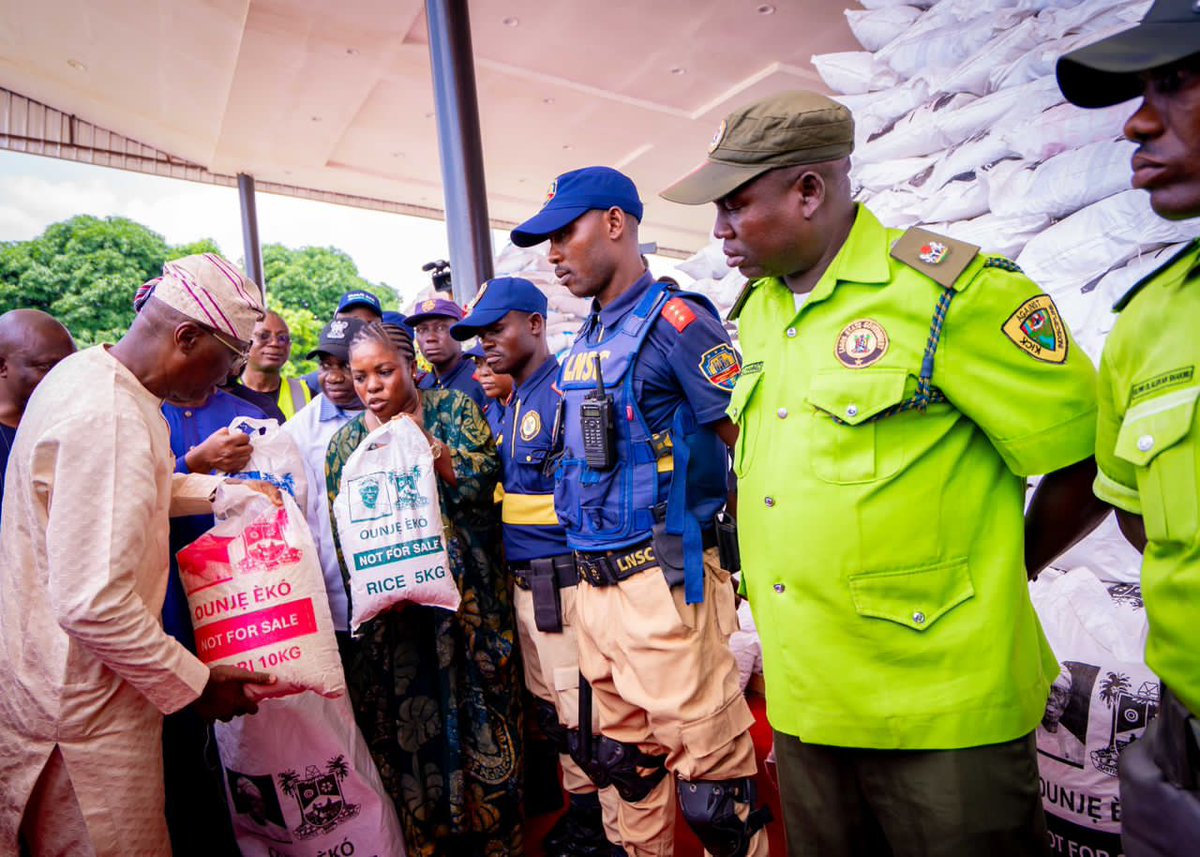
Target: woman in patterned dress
<point x="436" y="693"/>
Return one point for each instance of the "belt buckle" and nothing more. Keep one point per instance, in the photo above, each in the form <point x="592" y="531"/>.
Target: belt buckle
<point x="595" y="569"/>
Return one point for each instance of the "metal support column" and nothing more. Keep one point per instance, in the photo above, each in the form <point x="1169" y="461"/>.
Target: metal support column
<point x="253" y="250"/>
<point x="459" y="143"/>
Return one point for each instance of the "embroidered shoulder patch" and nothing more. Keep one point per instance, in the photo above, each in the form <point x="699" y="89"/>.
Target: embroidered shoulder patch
<point x="721" y="366"/>
<point x="678" y="314"/>
<point x="1038" y="330"/>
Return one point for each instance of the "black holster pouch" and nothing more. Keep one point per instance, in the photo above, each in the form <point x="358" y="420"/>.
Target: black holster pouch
<point x="727" y="542"/>
<point x="668" y="550"/>
<point x="547" y="604"/>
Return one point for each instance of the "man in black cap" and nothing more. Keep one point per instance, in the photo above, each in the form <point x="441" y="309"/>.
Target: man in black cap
<point x="1147" y="437"/>
<point x="431" y="322"/>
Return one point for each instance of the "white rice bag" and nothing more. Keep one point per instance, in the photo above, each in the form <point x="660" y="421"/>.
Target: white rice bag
<point x="274" y="458"/>
<point x="256" y="595"/>
<point x="390" y="524"/>
<point x="1100" y="702"/>
<point x="301" y="783"/>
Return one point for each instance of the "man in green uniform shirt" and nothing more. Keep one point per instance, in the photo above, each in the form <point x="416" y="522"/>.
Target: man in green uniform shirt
<point x="1146" y="443"/>
<point x="896" y="392"/>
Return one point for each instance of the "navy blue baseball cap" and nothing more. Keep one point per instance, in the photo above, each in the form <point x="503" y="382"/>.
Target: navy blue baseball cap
<point x="434" y="308"/>
<point x="360" y="298"/>
<point x="574" y="194"/>
<point x="397" y="318"/>
<point x="476" y="352"/>
<point x="496" y="299"/>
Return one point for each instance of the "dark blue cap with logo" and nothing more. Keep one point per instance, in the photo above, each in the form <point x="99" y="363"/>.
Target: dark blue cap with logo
<point x="576" y="193"/>
<point x="496" y="299"/>
<point x="434" y="308"/>
<point x="360" y="298"/>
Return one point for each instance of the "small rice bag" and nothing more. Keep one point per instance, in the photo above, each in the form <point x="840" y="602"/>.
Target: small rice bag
<point x="390" y="524"/>
<point x="256" y="595"/>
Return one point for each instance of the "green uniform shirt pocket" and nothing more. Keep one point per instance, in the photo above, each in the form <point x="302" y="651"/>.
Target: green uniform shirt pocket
<point x="1157" y="438"/>
<point x="740" y="413"/>
<point x="844" y="437"/>
<point x="913" y="597"/>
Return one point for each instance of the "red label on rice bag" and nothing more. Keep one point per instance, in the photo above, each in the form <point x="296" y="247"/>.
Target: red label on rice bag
<point x="237" y="634"/>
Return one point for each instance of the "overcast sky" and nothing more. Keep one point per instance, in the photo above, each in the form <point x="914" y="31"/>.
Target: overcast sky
<point x="389" y="248"/>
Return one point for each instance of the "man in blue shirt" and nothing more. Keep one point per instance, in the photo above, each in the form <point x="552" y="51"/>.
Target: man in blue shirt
<point x="641" y="476"/>
<point x="509" y="316"/>
<point x="431" y="325"/>
<point x="31" y="344"/>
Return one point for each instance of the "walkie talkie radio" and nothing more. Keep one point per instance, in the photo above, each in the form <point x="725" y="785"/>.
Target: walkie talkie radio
<point x="596" y="422"/>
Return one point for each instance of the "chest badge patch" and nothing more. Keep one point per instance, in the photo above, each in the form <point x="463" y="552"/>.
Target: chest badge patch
<point x="531" y="425"/>
<point x="861" y="344"/>
<point x="1037" y="329"/>
<point x="933" y="253"/>
<point x="721" y="366"/>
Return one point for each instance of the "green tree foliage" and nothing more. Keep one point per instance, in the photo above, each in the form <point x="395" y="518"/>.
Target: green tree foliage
<point x="85" y="271"/>
<point x="313" y="278"/>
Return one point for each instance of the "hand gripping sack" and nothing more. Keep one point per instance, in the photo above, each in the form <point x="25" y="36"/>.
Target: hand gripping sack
<point x="256" y="595"/>
<point x="274" y="458"/>
<point x="390" y="524"/>
<point x="301" y="783"/>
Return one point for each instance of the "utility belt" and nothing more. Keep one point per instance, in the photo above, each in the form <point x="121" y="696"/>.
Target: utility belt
<point x="608" y="568"/>
<point x="544" y="578"/>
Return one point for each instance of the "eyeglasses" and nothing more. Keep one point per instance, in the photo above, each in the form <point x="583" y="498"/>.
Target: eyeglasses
<point x="240" y="361"/>
<point x="263" y="337"/>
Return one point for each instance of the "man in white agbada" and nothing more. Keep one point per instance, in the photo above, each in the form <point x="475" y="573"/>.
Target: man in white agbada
<point x="86" y="671"/>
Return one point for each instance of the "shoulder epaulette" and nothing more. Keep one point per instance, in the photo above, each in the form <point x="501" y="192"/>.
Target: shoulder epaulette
<point x="939" y="257"/>
<point x="739" y="303"/>
<point x="678" y="314"/>
<point x="1129" y="295"/>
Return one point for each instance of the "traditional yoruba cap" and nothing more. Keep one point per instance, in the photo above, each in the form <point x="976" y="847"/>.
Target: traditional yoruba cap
<point x="434" y="308"/>
<point x="574" y="194"/>
<point x="210" y="290"/>
<point x="475" y="352"/>
<point x="335" y="338"/>
<point x="496" y="299"/>
<point x="360" y="298"/>
<point x="780" y="131"/>
<point x="1106" y="72"/>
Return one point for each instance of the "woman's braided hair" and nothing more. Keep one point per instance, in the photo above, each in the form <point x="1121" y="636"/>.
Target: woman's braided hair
<point x="391" y="335"/>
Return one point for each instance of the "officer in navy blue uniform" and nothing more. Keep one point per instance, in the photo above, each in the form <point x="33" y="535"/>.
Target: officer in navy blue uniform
<point x="509" y="317"/>
<point x="431" y="323"/>
<point x="640" y="477"/>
